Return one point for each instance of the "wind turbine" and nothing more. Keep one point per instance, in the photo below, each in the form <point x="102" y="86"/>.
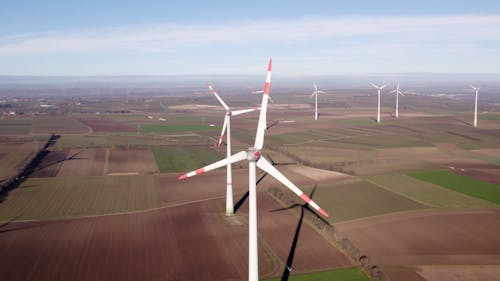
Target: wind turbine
<point x="227" y="127"/>
<point x="378" y="93"/>
<point x="398" y="92"/>
<point x="475" y="104"/>
<point x="253" y="155"/>
<point x="315" y="94"/>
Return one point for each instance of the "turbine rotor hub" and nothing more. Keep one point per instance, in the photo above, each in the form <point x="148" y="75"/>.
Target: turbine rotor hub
<point x="253" y="154"/>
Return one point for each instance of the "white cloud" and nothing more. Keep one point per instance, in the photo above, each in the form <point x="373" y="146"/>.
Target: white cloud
<point x="425" y="30"/>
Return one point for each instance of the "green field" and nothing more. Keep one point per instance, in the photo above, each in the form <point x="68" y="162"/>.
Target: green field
<point x="342" y="274"/>
<point x="51" y="198"/>
<point x="462" y="184"/>
<point x="175" y="128"/>
<point x="428" y="193"/>
<point x="359" y="199"/>
<point x="11" y="161"/>
<point x="489" y="116"/>
<point x="72" y="141"/>
<point x="184" y="158"/>
<point x="15" y="126"/>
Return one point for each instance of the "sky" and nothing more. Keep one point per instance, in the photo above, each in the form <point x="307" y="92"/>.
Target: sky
<point x="304" y="38"/>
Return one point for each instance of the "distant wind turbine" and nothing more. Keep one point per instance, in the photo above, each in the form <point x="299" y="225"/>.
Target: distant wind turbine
<point x="378" y="93"/>
<point x="475" y="104"/>
<point x="398" y="92"/>
<point x="315" y="94"/>
<point x="227" y="127"/>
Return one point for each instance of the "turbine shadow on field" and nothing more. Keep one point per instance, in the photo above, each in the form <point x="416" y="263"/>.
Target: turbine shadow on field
<point x="462" y="121"/>
<point x="4" y="227"/>
<point x="242" y="200"/>
<point x="31" y="167"/>
<point x="72" y="157"/>
<point x="3" y="230"/>
<point x="291" y="254"/>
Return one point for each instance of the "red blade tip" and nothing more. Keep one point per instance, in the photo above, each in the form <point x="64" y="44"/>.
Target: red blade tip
<point x="323" y="213"/>
<point x="270" y="66"/>
<point x="182" y="177"/>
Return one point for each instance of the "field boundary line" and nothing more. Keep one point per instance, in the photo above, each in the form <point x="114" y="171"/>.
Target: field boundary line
<point x="106" y="161"/>
<point x="123" y="212"/>
<point x="425" y="212"/>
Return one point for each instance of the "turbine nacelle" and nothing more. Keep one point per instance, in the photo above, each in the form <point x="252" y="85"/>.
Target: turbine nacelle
<point x="253" y="154"/>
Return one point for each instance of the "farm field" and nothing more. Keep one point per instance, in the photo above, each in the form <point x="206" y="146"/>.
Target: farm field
<point x="10" y="161"/>
<point x="463" y="184"/>
<point x="105" y="203"/>
<point x="358" y="199"/>
<point x="85" y="162"/>
<point x="123" y="161"/>
<point x="50" y="164"/>
<point x="15" y="126"/>
<point x="59" y="125"/>
<point x="59" y="197"/>
<point x="427" y="193"/>
<point x="196" y="234"/>
<point x="344" y="274"/>
<point x="184" y="158"/>
<point x="451" y="272"/>
<point x="175" y="128"/>
<point x="438" y="237"/>
<point x="103" y="124"/>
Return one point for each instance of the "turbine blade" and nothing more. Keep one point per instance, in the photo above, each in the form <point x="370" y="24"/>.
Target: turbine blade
<point x="321" y="92"/>
<point x="374" y="85"/>
<point x="261" y="127"/>
<point x="383" y="86"/>
<point x="267" y="167"/>
<point x="315" y="87"/>
<point x="212" y="90"/>
<point x="242" y="111"/>
<point x="393" y="91"/>
<point x="235" y="158"/>
<point x="314" y="93"/>
<point x="270" y="99"/>
<point x="223" y="130"/>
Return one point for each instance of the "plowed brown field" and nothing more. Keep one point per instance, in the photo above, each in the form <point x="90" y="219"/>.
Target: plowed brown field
<point x="88" y="162"/>
<point x="429" y="237"/>
<point x="188" y="242"/>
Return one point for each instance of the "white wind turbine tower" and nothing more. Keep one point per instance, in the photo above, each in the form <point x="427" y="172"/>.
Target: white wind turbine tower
<point x="315" y="94"/>
<point x="227" y="127"/>
<point x="255" y="159"/>
<point x="398" y="92"/>
<point x="378" y="93"/>
<point x="475" y="104"/>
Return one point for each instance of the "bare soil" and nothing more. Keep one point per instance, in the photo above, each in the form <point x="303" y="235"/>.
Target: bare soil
<point x="429" y="237"/>
<point x="86" y="162"/>
<point x="452" y="273"/>
<point x="131" y="161"/>
<point x="188" y="242"/>
<point x="51" y="163"/>
<point x="476" y="169"/>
